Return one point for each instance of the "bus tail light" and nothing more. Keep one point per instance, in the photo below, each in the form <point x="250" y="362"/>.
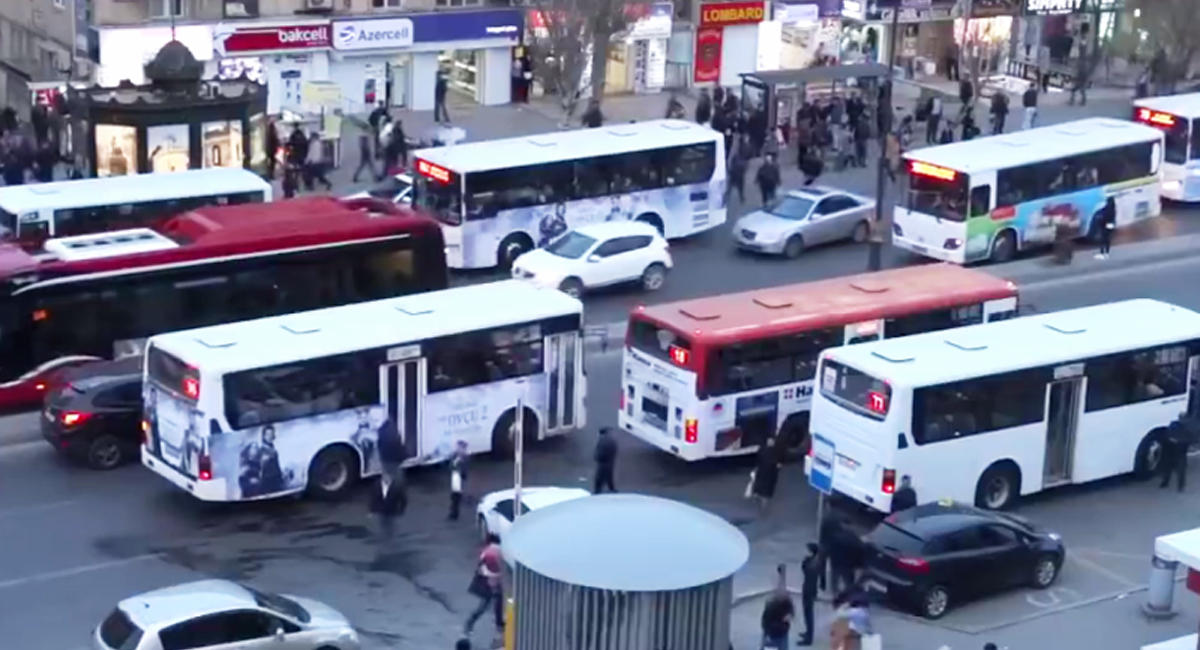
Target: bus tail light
<point x="691" y="428"/>
<point x="191" y="387"/>
<point x="889" y="481"/>
<point x="145" y="433"/>
<point x="204" y="471"/>
<point x="912" y="565"/>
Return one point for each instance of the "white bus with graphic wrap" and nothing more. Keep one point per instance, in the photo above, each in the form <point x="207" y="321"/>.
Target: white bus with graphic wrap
<point x="1178" y="117"/>
<point x="987" y="413"/>
<point x="279" y="405"/>
<point x="500" y="198"/>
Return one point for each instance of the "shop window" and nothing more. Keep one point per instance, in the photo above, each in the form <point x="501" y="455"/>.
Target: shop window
<point x="165" y="8"/>
<point x="387" y="4"/>
<point x="458" y="3"/>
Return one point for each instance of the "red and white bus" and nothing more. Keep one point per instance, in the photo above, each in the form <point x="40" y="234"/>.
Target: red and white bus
<point x="717" y="376"/>
<point x="100" y="296"/>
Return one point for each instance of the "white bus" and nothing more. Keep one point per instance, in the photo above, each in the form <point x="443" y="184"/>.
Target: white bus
<point x="500" y="198"/>
<point x="985" y="413"/>
<point x="1178" y="116"/>
<point x="36" y="212"/>
<point x="279" y="405"/>
<point x="989" y="198"/>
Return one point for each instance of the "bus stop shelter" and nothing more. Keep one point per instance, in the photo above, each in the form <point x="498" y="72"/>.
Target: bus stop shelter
<point x="1171" y="551"/>
<point x="781" y="92"/>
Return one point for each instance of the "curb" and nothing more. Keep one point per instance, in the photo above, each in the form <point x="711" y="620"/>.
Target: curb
<point x="1042" y="270"/>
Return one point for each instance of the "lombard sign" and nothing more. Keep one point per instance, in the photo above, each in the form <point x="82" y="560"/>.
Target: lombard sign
<point x="719" y="14"/>
<point x="281" y="37"/>
<point x="372" y="34"/>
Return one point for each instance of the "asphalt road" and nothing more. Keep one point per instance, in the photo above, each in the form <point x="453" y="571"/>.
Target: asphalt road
<point x="76" y="541"/>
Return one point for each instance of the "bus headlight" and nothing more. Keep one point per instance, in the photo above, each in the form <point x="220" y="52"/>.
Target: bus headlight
<point x="952" y="243"/>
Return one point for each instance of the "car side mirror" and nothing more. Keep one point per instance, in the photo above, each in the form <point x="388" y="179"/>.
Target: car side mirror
<point x="593" y="258"/>
<point x="279" y="634"/>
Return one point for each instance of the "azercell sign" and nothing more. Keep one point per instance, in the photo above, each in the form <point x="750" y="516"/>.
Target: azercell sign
<point x="422" y="29"/>
<point x="372" y="34"/>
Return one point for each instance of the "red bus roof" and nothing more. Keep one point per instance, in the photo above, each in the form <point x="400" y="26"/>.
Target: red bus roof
<point x="777" y="311"/>
<point x="219" y="231"/>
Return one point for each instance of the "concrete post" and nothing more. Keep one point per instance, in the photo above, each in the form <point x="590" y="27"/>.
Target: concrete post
<point x="1160" y="593"/>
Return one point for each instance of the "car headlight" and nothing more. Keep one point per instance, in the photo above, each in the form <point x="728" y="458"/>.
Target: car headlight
<point x="1054" y="536"/>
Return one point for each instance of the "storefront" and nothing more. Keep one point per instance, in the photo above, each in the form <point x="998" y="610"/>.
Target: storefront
<point x="727" y="41"/>
<point x="396" y="59"/>
<point x="125" y="51"/>
<point x="808" y="33"/>
<point x="283" y="56"/>
<point x="1050" y="35"/>
<point x="637" y="59"/>
<point x="926" y="33"/>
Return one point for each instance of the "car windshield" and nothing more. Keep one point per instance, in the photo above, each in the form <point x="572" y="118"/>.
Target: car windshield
<point x="280" y="605"/>
<point x="389" y="188"/>
<point x="791" y="207"/>
<point x="118" y="632"/>
<point x="571" y="245"/>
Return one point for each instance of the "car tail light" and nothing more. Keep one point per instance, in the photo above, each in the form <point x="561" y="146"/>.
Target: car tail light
<point x="191" y="387"/>
<point x="205" y="467"/>
<point x="72" y="418"/>
<point x="889" y="481"/>
<point x="40" y="386"/>
<point x="912" y="564"/>
<point x="691" y="429"/>
<point x="146" y="433"/>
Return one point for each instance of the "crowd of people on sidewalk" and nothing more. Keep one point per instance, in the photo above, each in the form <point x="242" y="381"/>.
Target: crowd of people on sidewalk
<point x="30" y="149"/>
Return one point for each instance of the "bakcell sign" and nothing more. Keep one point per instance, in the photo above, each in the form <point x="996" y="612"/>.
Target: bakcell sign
<point x="285" y="37"/>
<point x="732" y="13"/>
<point x="372" y="34"/>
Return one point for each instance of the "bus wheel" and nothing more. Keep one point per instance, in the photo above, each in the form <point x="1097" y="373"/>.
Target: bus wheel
<point x="793" y="436"/>
<point x="1004" y="247"/>
<point x="653" y="220"/>
<point x="332" y="472"/>
<point x="504" y="433"/>
<point x="513" y="246"/>
<point x="1149" y="455"/>
<point x="998" y="487"/>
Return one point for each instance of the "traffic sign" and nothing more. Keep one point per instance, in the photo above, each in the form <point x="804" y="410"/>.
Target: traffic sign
<point x="820" y="474"/>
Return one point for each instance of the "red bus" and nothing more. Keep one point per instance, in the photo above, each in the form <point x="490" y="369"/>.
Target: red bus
<point x="717" y="376"/>
<point x="101" y="295"/>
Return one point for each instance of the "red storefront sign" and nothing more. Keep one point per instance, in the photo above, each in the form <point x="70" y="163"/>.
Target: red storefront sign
<point x="284" y="37"/>
<point x="732" y="13"/>
<point x="708" y="54"/>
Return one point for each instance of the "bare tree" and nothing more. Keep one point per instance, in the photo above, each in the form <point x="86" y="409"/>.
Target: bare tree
<point x="607" y="17"/>
<point x="1174" y="26"/>
<point x="573" y="28"/>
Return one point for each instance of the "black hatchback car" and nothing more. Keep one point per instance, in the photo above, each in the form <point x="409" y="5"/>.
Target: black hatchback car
<point x="935" y="555"/>
<point x="94" y="414"/>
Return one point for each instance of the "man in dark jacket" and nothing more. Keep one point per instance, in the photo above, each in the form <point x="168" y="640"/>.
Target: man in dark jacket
<point x="606" y="460"/>
<point x="390" y="447"/>
<point x="1174" y="457"/>
<point x="389" y="500"/>
<point x="768" y="178"/>
<point x="440" y="114"/>
<point x="999" y="111"/>
<point x="704" y="107"/>
<point x="811" y="568"/>
<point x="906" y="496"/>
<point x="592" y="117"/>
<point x="1108" y="224"/>
<point x="777" y="614"/>
<point x="365" y="160"/>
<point x="272" y="145"/>
<point x="297" y="147"/>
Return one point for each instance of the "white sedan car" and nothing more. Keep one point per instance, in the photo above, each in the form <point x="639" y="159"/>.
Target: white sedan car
<point x="495" y="511"/>
<point x="222" y="614"/>
<point x="805" y="217"/>
<point x="599" y="255"/>
<point x="397" y="189"/>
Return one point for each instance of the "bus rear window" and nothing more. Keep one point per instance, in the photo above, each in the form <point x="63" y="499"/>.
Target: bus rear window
<point x="172" y="374"/>
<point x="118" y="632"/>
<point x="660" y="342"/>
<point x="943" y="195"/>
<point x="855" y="390"/>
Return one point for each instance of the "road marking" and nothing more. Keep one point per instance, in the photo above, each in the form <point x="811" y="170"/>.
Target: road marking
<point x="1123" y="556"/>
<point x="1114" y="272"/>
<point x="1051" y="597"/>
<point x="1103" y="570"/>
<point x="74" y="571"/>
<point x="23" y="510"/>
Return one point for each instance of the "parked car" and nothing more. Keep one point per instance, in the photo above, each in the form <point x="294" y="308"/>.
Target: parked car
<point x="93" y="414"/>
<point x="805" y="217"/>
<point x="598" y="255"/>
<point x="396" y="188"/>
<point x="936" y="555"/>
<point x="495" y="510"/>
<point x="224" y="614"/>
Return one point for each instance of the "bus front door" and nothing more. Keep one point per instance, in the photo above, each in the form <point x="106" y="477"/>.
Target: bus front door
<point x="561" y="357"/>
<point x="401" y="386"/>
<point x="1062" y="422"/>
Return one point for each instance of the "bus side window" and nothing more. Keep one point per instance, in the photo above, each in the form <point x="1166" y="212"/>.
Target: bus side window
<point x="981" y="200"/>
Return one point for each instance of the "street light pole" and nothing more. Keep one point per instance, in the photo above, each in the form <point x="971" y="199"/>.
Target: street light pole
<point x="875" y="247"/>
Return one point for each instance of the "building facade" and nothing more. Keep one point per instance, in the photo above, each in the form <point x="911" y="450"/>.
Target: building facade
<point x="37" y="48"/>
<point x="322" y="54"/>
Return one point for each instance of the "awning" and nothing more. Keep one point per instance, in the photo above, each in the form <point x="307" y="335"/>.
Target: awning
<point x="1182" y="547"/>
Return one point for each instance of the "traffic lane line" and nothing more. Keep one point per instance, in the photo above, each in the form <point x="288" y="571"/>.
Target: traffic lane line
<point x="20" y="511"/>
<point x="75" y="571"/>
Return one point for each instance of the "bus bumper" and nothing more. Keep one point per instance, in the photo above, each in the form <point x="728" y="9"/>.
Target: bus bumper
<point x="211" y="490"/>
<point x="659" y="438"/>
<point x="957" y="256"/>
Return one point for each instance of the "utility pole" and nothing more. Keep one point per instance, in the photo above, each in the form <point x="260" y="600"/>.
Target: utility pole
<point x="884" y="107"/>
<point x="518" y="455"/>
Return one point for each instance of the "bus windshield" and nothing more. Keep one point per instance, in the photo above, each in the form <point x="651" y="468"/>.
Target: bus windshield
<point x="441" y="200"/>
<point x="1196" y="139"/>
<point x="939" y="197"/>
<point x="1175" y="149"/>
<point x="855" y="390"/>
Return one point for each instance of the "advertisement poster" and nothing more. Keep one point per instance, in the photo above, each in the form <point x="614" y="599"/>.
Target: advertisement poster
<point x="116" y="150"/>
<point x="222" y="142"/>
<point x="167" y="147"/>
<point x="708" y="54"/>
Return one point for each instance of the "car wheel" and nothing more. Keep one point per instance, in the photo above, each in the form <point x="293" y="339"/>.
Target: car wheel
<point x="512" y="247"/>
<point x="105" y="452"/>
<point x="332" y="472"/>
<point x="860" y="233"/>
<point x="997" y="488"/>
<point x="1149" y="455"/>
<point x="1004" y="247"/>
<point x="654" y="277"/>
<point x="794" y="247"/>
<point x="935" y="602"/>
<point x="1045" y="571"/>
<point x="572" y="287"/>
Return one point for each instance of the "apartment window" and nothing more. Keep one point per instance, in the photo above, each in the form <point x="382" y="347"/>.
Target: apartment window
<point x="165" y="8"/>
<point x="458" y="3"/>
<point x="387" y="4"/>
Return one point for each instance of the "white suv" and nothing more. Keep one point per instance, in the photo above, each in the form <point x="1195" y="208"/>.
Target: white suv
<point x="599" y="255"/>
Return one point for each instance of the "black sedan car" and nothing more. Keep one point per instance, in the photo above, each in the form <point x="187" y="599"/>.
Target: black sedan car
<point x="935" y="555"/>
<point x="94" y="414"/>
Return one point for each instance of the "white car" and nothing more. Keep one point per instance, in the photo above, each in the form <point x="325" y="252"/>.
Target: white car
<point x="397" y="189"/>
<point x="495" y="510"/>
<point x="599" y="255"/>
<point x="222" y="614"/>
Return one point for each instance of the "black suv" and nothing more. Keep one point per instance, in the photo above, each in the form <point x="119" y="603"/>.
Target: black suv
<point x="937" y="554"/>
<point x="94" y="415"/>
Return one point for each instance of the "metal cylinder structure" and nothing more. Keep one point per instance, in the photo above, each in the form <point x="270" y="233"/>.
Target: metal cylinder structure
<point x="623" y="572"/>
